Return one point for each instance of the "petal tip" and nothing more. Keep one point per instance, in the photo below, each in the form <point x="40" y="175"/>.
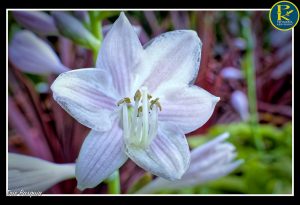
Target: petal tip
<point x="216" y="99"/>
<point x="80" y="187"/>
<point x="222" y="137"/>
<point x="240" y="161"/>
<point x="177" y="176"/>
<point x="122" y="17"/>
<point x="122" y="14"/>
<point x="226" y="135"/>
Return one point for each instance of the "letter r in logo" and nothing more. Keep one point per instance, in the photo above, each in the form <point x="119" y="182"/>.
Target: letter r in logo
<point x="280" y="15"/>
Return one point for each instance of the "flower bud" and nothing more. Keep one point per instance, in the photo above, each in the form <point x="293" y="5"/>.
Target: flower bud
<point x="83" y="16"/>
<point x="36" y="21"/>
<point x="73" y="29"/>
<point x="239" y="102"/>
<point x="231" y="73"/>
<point x="33" y="174"/>
<point x="33" y="55"/>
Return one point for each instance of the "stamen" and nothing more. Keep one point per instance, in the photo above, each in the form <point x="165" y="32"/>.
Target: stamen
<point x="145" y="114"/>
<point x="125" y="122"/>
<point x="124" y="100"/>
<point x="139" y="131"/>
<point x="158" y="105"/>
<point x="153" y="124"/>
<point x="135" y="114"/>
<point x="140" y="121"/>
<point x="127" y="100"/>
<point x="137" y="95"/>
<point x="153" y="102"/>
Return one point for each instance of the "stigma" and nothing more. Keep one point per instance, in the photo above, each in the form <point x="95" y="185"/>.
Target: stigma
<point x="140" y="118"/>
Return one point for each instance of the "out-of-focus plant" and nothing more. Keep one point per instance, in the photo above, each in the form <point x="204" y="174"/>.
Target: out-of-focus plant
<point x="264" y="172"/>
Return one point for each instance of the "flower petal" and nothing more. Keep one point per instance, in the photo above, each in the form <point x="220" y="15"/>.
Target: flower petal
<point x="168" y="156"/>
<point x="87" y="95"/>
<point x="119" y="53"/>
<point x="209" y="161"/>
<point x="31" y="54"/>
<point x="189" y="107"/>
<point x="37" y="21"/>
<point x="239" y="102"/>
<point x="218" y="171"/>
<point x="33" y="174"/>
<point x="204" y="149"/>
<point x="100" y="155"/>
<point x="106" y="29"/>
<point x="171" y="59"/>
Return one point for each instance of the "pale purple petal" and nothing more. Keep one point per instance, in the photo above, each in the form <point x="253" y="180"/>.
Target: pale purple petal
<point x="37" y="21"/>
<point x="33" y="55"/>
<point x="171" y="60"/>
<point x="239" y="101"/>
<point x="205" y="148"/>
<point x="217" y="156"/>
<point x="82" y="16"/>
<point x="209" y="162"/>
<point x="87" y="95"/>
<point x="189" y="107"/>
<point x="100" y="155"/>
<point x="33" y="174"/>
<point x="168" y="155"/>
<point x="119" y="54"/>
<point x="282" y="69"/>
<point x="217" y="172"/>
<point x="106" y="29"/>
<point x="232" y="73"/>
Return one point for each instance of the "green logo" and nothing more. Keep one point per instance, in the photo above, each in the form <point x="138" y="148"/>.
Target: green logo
<point x="284" y="15"/>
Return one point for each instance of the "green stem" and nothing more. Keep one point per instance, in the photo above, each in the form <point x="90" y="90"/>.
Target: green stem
<point x="96" y="29"/>
<point x="113" y="183"/>
<point x="249" y="70"/>
<point x="95" y="55"/>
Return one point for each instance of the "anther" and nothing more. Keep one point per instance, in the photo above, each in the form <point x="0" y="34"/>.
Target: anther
<point x="127" y="100"/>
<point x="124" y="100"/>
<point x="153" y="102"/>
<point x="137" y="95"/>
<point x="158" y="105"/>
<point x="140" y="110"/>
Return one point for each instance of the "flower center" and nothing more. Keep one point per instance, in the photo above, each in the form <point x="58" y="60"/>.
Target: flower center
<point x="140" y="118"/>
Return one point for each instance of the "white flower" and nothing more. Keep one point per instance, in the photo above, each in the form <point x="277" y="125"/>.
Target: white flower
<point x="138" y="102"/>
<point x="208" y="162"/>
<point x="33" y="174"/>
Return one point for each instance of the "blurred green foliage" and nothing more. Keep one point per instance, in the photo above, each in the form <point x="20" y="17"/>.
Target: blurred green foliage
<point x="266" y="171"/>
